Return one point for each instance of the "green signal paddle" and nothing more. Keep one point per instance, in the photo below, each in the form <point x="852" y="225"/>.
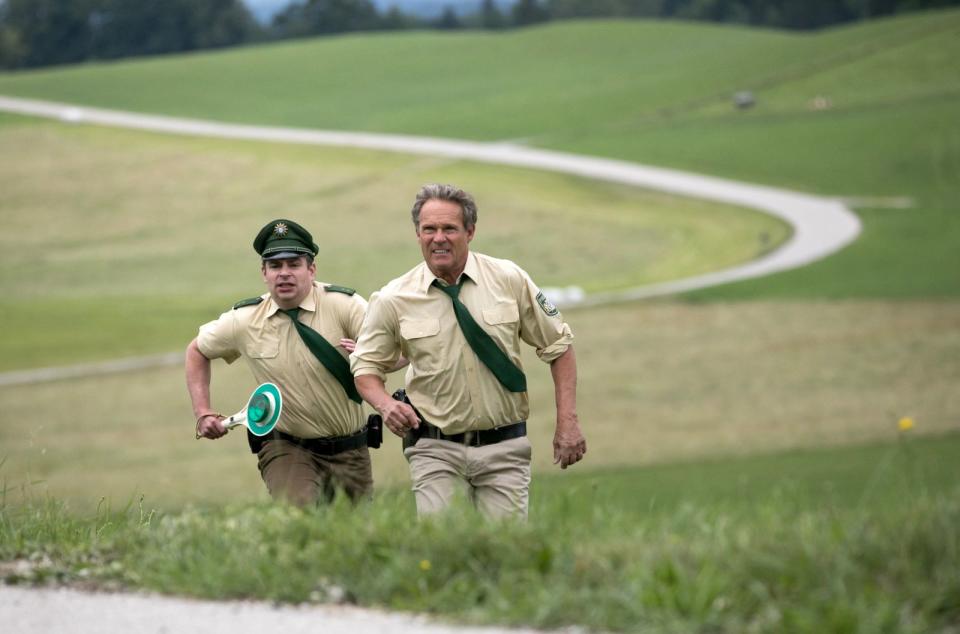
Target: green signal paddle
<point x="262" y="412"/>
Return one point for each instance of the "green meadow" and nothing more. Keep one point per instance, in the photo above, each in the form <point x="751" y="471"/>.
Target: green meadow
<point x="133" y="240"/>
<point x="656" y="92"/>
<point x="745" y="470"/>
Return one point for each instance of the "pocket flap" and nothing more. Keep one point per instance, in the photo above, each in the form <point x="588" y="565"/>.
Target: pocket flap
<point x="504" y="313"/>
<point x="264" y="350"/>
<point x="417" y="328"/>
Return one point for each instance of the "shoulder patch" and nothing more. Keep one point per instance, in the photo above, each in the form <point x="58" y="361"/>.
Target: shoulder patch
<point x="253" y="301"/>
<point x="545" y="304"/>
<point x="333" y="288"/>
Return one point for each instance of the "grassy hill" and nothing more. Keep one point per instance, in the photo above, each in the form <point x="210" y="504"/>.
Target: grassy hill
<point x="657" y="92"/>
<point x="133" y="239"/>
<point x="793" y="502"/>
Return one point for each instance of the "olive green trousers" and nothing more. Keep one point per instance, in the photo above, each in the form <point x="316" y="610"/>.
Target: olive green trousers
<point x="302" y="477"/>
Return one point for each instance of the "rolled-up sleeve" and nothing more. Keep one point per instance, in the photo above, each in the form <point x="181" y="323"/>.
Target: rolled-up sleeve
<point x="378" y="347"/>
<point x="355" y="316"/>
<point x="217" y="340"/>
<point x="541" y="324"/>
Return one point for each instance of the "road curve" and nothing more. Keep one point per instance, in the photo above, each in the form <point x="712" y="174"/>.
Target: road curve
<point x="821" y="226"/>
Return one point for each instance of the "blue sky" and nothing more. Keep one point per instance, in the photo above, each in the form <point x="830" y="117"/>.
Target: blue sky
<point x="265" y="9"/>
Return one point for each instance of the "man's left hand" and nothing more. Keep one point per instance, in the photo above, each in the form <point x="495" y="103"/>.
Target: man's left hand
<point x="569" y="445"/>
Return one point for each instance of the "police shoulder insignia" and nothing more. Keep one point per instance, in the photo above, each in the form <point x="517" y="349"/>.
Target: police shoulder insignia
<point x="545" y="304"/>
<point x="333" y="288"/>
<point x="253" y="301"/>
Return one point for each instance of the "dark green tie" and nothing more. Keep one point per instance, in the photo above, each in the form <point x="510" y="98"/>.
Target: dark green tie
<point x="509" y="375"/>
<point x="326" y="354"/>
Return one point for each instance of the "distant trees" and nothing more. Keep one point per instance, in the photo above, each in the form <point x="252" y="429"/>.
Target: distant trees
<point x="527" y="12"/>
<point x="790" y="14"/>
<point x="321" y="17"/>
<point x="490" y="16"/>
<point x="448" y="20"/>
<point x="46" y="32"/>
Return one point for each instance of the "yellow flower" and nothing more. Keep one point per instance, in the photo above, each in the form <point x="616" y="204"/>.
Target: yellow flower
<point x="905" y="424"/>
<point x="424" y="564"/>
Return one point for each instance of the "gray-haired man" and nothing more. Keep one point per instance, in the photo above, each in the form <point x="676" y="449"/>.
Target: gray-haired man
<point x="459" y="318"/>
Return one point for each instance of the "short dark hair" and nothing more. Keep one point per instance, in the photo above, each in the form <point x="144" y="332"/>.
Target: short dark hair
<point x="452" y="193"/>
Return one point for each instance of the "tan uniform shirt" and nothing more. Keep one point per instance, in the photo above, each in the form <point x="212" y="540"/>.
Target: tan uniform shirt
<point x="446" y="381"/>
<point x="314" y="403"/>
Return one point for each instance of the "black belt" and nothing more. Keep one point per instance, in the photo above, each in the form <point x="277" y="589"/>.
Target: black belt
<point x="323" y="446"/>
<point x="477" y="438"/>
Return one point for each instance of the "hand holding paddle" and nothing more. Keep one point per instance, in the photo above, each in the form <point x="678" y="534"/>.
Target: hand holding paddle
<point x="260" y="415"/>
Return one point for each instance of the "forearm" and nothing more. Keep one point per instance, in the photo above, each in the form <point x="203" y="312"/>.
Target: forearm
<point x="569" y="445"/>
<point x="564" y="371"/>
<point x="197" y="368"/>
<point x="373" y="390"/>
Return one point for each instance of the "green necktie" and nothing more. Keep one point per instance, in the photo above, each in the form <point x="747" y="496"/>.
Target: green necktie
<point x="326" y="354"/>
<point x="483" y="344"/>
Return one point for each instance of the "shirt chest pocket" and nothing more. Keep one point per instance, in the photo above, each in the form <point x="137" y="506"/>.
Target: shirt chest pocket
<point x="422" y="344"/>
<point x="264" y="345"/>
<point x="505" y="314"/>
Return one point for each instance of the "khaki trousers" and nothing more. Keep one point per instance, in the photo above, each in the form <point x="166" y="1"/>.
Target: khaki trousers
<point x="495" y="478"/>
<point x="302" y="477"/>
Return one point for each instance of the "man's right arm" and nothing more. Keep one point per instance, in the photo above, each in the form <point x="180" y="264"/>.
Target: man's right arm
<point x="377" y="351"/>
<point x="397" y="415"/>
<point x="197" y="367"/>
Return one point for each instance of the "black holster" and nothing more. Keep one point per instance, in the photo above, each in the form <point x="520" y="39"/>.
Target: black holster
<point x="374" y="431"/>
<point x="255" y="442"/>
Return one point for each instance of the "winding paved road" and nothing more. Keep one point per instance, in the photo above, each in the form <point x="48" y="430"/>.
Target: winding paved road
<point x="821" y="226"/>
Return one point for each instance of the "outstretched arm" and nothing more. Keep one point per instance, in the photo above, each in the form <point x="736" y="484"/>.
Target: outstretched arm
<point x="197" y="368"/>
<point x="569" y="445"/>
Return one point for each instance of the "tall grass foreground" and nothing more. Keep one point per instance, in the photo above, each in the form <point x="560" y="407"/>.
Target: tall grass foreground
<point x="781" y="563"/>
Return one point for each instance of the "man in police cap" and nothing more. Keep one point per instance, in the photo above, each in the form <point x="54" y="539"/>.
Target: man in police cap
<point x="460" y="317"/>
<point x="293" y="335"/>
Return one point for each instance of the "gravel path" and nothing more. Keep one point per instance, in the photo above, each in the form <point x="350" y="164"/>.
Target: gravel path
<point x="56" y="611"/>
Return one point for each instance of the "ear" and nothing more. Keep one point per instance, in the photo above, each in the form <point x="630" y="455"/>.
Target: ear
<point x="472" y="230"/>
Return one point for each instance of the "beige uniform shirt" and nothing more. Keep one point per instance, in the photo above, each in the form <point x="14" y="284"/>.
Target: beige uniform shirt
<point x="314" y="403"/>
<point x="446" y="381"/>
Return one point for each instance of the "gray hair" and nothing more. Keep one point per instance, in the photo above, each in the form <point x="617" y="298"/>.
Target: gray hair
<point x="452" y="193"/>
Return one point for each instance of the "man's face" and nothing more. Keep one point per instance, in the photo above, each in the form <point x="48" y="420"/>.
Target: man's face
<point x="443" y="238"/>
<point x="289" y="280"/>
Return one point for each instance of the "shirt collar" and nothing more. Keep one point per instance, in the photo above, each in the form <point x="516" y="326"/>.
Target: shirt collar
<point x="471" y="270"/>
<point x="308" y="303"/>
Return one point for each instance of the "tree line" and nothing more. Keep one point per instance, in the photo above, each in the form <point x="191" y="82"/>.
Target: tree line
<point x="36" y="33"/>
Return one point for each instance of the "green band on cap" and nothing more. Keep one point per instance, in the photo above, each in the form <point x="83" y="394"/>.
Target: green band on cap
<point x="284" y="235"/>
